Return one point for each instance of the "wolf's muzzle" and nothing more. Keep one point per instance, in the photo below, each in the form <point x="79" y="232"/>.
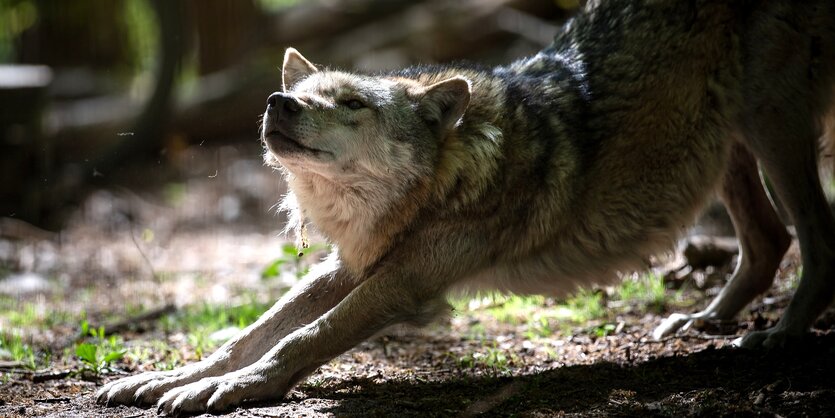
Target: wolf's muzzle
<point x="283" y="105"/>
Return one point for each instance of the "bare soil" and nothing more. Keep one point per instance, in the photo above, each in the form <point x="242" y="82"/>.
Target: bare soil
<point x="204" y="232"/>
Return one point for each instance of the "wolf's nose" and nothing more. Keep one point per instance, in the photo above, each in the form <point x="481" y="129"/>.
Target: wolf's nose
<point x="283" y="102"/>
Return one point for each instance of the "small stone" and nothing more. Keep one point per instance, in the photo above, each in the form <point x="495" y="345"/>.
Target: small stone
<point x="23" y="284"/>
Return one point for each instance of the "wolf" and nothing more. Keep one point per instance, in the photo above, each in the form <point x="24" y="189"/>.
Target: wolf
<point x="559" y="170"/>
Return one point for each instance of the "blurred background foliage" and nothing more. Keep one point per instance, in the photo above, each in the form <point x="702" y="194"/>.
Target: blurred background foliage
<point x="93" y="92"/>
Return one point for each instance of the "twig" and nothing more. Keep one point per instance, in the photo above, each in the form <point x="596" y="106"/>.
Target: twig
<point x="151" y="315"/>
<point x="52" y="400"/>
<point x="10" y="365"/>
<point x="43" y="377"/>
<point x="695" y="337"/>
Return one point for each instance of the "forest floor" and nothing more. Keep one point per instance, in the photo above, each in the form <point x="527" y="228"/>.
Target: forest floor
<point x="157" y="272"/>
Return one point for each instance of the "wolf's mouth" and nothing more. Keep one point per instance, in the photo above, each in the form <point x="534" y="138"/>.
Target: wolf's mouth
<point x="283" y="145"/>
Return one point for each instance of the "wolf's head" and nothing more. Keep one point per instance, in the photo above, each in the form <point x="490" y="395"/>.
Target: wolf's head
<point x="347" y="127"/>
<point x="358" y="148"/>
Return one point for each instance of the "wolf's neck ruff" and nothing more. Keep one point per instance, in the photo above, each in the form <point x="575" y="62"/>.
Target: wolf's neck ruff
<point x="456" y="169"/>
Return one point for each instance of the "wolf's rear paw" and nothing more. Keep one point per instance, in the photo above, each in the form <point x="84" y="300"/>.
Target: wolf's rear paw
<point x="123" y="391"/>
<point x="773" y="338"/>
<point x="672" y="324"/>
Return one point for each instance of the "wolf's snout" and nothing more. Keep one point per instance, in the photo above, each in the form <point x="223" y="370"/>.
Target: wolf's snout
<point x="283" y="104"/>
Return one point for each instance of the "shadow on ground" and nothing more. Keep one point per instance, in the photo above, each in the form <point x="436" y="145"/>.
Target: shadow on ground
<point x="713" y="382"/>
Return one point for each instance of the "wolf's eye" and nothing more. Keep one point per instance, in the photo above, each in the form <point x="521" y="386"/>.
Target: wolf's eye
<point x="354" y="104"/>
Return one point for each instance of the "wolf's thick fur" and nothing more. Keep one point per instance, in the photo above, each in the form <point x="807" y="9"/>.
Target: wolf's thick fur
<point x="557" y="171"/>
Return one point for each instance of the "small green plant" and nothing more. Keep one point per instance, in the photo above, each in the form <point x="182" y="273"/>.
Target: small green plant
<point x="173" y="360"/>
<point x="97" y="357"/>
<point x="496" y="359"/>
<point x="159" y="352"/>
<point x="291" y="260"/>
<point x="604" y="330"/>
<point x="493" y="358"/>
<point x="539" y="327"/>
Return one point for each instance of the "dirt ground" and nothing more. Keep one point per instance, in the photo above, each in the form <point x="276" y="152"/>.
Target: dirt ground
<point x="204" y="231"/>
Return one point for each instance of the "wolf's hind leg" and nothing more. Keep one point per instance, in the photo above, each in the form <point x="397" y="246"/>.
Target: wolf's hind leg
<point x="789" y="158"/>
<point x="762" y="237"/>
<point x="787" y="89"/>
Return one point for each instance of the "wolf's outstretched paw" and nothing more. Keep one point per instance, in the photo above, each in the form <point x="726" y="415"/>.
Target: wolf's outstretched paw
<point x="672" y="324"/>
<point x="221" y="393"/>
<point x="122" y="391"/>
<point x="774" y="338"/>
<point x="188" y="399"/>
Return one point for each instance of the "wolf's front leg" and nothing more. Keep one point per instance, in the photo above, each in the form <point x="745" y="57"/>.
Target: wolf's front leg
<point x="320" y="291"/>
<point x="378" y="302"/>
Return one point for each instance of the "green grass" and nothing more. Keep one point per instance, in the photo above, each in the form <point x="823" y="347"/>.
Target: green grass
<point x="585" y="306"/>
<point x="98" y="353"/>
<point x="647" y="289"/>
<point x="209" y="318"/>
<point x="588" y="309"/>
<point x="197" y="323"/>
<point x="12" y="345"/>
<point x="515" y="309"/>
<point x="542" y="316"/>
<point x="164" y="355"/>
<point x="189" y="333"/>
<point x="32" y="315"/>
<point x="21" y="319"/>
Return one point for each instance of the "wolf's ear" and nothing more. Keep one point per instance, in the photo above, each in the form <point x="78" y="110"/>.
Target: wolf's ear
<point x="295" y="68"/>
<point x="444" y="102"/>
